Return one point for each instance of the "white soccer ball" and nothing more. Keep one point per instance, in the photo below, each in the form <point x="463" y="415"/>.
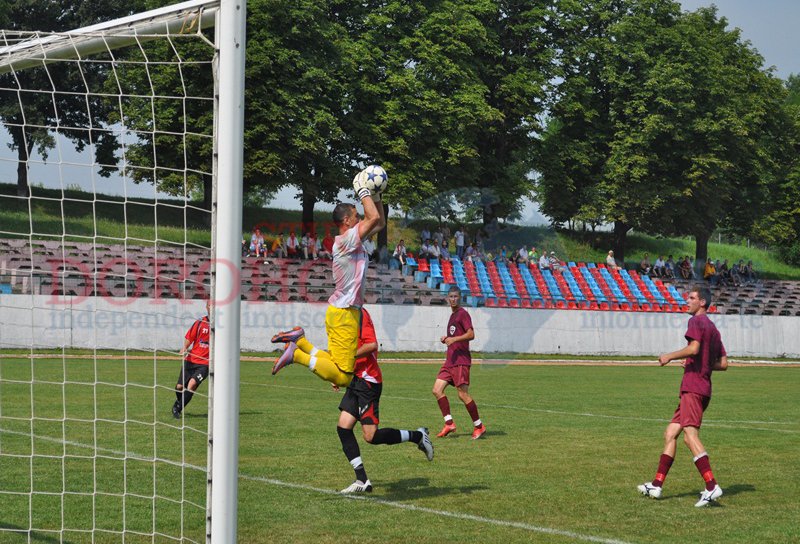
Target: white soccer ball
<point x="376" y="178"/>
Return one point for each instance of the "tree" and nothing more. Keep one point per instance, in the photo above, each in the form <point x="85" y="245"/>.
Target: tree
<point x="675" y="123"/>
<point x="60" y="98"/>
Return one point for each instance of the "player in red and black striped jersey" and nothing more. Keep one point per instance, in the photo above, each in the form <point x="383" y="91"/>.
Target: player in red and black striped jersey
<point x="195" y="363"/>
<point x="361" y="403"/>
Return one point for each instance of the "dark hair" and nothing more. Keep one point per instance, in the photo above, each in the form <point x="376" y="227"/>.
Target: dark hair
<point x="704" y="293"/>
<point x="341" y="211"/>
<point x="454" y="289"/>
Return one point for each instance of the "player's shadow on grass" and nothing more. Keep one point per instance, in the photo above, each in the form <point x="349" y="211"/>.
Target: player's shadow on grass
<point x="729" y="491"/>
<point x="415" y="488"/>
<point x="458" y="435"/>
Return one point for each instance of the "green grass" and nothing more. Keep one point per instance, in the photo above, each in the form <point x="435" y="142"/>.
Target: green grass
<point x="566" y="447"/>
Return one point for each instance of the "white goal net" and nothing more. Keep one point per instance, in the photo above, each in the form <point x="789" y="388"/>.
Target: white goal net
<point x="108" y="254"/>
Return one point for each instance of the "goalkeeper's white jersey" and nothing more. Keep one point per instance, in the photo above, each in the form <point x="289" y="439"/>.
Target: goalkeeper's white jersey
<point x="349" y="270"/>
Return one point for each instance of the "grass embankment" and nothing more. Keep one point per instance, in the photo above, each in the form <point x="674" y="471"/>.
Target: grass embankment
<point x="80" y="216"/>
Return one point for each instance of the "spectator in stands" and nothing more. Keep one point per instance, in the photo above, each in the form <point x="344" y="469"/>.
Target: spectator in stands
<point x="687" y="272"/>
<point x="471" y="252"/>
<point x="670" y="267"/>
<point x="245" y="247"/>
<point x="725" y="276"/>
<point x="425" y="235"/>
<point x="660" y="267"/>
<point x="434" y="250"/>
<point x="327" y="246"/>
<point x="555" y="263"/>
<point x="736" y="273"/>
<point x="438" y="236"/>
<point x="644" y="265"/>
<point x="292" y="246"/>
<point x="532" y="255"/>
<point x="400" y="252"/>
<point x="257" y="243"/>
<point x="459" y="239"/>
<point x="425" y="249"/>
<point x="710" y="272"/>
<point x="611" y="262"/>
<point x="522" y="255"/>
<point x="544" y="262"/>
<point x="279" y="246"/>
<point x="446" y="236"/>
<point x="444" y="253"/>
<point x="369" y="247"/>
<point x="750" y="272"/>
<point x="309" y="245"/>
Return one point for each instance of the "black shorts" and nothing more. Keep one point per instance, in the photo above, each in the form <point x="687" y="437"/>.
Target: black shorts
<point x="361" y="400"/>
<point x="192" y="370"/>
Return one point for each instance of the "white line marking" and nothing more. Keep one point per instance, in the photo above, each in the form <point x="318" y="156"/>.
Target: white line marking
<point x="722" y="424"/>
<point x="329" y="492"/>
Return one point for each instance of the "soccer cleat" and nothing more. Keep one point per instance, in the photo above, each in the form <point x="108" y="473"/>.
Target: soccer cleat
<point x="649" y="490"/>
<point x="176" y="412"/>
<point x="479" y="431"/>
<point x="292" y="335"/>
<point x="358" y="487"/>
<point x="286" y="358"/>
<point x="447" y="429"/>
<point x="425" y="445"/>
<point x="707" y="497"/>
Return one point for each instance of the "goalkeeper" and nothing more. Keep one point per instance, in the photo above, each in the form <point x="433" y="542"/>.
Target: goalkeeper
<point x="343" y="316"/>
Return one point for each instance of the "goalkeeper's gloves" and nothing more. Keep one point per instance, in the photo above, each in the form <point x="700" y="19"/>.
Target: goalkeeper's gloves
<point x="360" y="186"/>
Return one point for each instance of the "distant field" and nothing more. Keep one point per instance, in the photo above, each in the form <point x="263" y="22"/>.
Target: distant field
<point x="566" y="447"/>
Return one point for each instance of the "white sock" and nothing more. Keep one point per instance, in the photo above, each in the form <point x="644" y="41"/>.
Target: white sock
<point x="356" y="462"/>
<point x="448" y="419"/>
<point x="313" y="351"/>
<point x="704" y="454"/>
<point x="477" y="423"/>
<point x="405" y="436"/>
<point x="312" y="363"/>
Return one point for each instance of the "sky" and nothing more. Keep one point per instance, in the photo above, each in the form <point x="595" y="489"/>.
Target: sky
<point x="769" y="25"/>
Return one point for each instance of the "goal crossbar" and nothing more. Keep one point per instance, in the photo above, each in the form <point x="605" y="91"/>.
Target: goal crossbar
<point x="35" y="48"/>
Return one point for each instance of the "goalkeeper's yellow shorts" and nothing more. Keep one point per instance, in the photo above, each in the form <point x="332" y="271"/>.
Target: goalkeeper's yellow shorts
<point x="343" y="326"/>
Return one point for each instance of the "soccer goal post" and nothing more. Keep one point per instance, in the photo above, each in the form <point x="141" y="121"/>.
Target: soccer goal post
<point x="120" y="216"/>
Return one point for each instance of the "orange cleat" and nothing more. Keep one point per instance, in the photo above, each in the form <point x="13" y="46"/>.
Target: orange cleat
<point x="447" y="429"/>
<point x="478" y="432"/>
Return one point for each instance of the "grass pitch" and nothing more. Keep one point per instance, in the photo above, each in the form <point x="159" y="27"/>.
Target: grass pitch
<point x="565" y="448"/>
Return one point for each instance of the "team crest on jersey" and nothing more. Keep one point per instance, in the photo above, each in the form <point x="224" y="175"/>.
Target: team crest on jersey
<point x="452" y="330"/>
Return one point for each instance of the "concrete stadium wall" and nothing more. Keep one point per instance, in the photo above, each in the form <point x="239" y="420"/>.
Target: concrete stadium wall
<point x="147" y="324"/>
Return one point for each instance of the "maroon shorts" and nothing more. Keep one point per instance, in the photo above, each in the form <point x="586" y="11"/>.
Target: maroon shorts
<point x="689" y="412"/>
<point x="454" y="375"/>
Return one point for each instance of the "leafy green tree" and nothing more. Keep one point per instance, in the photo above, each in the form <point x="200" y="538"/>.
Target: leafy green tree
<point x="60" y="98"/>
<point x="676" y="123"/>
<point x="449" y="98"/>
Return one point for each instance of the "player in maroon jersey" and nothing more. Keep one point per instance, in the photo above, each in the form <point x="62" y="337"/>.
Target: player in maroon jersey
<point x="361" y="403"/>
<point x="455" y="370"/>
<point x="703" y="354"/>
<point x="195" y="364"/>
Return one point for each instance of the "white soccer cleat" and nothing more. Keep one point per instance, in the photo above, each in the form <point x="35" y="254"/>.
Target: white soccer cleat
<point x="649" y="490"/>
<point x="358" y="487"/>
<point x="707" y="497"/>
<point x="425" y="445"/>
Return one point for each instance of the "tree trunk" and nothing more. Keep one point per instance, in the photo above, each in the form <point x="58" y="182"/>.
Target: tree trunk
<point x="620" y="238"/>
<point x="208" y="195"/>
<point x="700" y="252"/>
<point x="309" y="200"/>
<point x="23" y="189"/>
<point x="383" y="234"/>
